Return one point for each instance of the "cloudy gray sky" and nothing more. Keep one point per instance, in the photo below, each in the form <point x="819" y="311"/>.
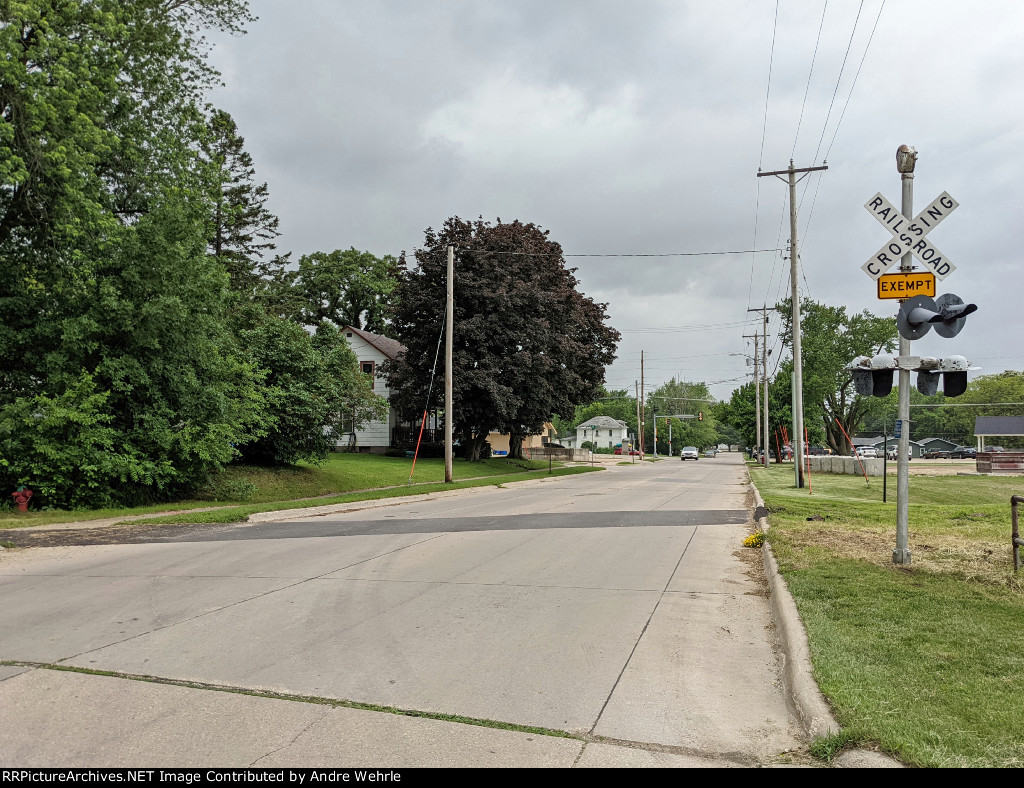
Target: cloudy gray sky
<point x="638" y="129"/>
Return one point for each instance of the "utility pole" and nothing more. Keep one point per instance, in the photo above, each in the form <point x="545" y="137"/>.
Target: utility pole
<point x="764" y="310"/>
<point x="757" y="384"/>
<point x="641" y="404"/>
<point x="448" y="345"/>
<point x="637" y="387"/>
<point x="794" y="269"/>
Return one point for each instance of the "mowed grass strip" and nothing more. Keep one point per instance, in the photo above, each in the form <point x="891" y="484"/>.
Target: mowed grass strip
<point x="925" y="662"/>
<point x="339" y="475"/>
<point x="237" y="514"/>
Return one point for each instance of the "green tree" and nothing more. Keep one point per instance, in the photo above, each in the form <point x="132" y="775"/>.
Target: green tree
<point x="346" y="288"/>
<point x="312" y="385"/>
<point x="527" y="344"/>
<point x="242" y="228"/>
<point x="830" y="340"/>
<point x="680" y="397"/>
<point x="111" y="308"/>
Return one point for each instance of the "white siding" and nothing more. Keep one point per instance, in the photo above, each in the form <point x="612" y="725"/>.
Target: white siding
<point x="372" y="434"/>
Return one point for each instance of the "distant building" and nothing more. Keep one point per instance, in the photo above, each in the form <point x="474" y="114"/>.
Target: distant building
<point x="604" y="431"/>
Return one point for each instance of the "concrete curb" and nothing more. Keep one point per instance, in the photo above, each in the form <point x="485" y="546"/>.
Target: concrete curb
<point x="804" y="695"/>
<point x="802" y="690"/>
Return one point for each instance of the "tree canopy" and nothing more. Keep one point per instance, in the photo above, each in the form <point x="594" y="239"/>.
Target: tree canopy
<point x="132" y="365"/>
<point x="527" y="344"/>
<point x="830" y="340"/>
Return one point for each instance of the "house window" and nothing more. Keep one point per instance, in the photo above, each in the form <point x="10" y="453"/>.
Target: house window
<point x="366" y="367"/>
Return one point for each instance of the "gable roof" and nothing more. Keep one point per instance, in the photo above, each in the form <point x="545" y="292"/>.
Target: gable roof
<point x="999" y="426"/>
<point x="391" y="348"/>
<point x="602" y="423"/>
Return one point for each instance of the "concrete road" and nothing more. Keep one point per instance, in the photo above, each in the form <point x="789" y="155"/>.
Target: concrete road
<point x="606" y="619"/>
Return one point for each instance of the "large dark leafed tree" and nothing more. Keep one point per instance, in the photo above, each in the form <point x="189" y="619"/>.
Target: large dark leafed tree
<point x="830" y="340"/>
<point x="527" y="344"/>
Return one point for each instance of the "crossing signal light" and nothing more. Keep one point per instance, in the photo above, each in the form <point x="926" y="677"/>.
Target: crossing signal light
<point x="700" y="415"/>
<point x="952" y="370"/>
<point x="947" y="313"/>
<point x="872" y="377"/>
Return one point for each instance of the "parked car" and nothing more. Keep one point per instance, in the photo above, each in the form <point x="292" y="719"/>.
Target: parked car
<point x="867" y="452"/>
<point x="936" y="454"/>
<point x="689" y="453"/>
<point x="892" y="452"/>
<point x="994" y="448"/>
<point x="963" y="453"/>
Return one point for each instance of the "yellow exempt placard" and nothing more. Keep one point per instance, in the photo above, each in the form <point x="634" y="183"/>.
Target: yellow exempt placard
<point x="906" y="285"/>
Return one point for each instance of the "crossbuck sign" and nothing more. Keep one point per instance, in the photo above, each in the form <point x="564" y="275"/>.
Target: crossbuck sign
<point x="910" y="236"/>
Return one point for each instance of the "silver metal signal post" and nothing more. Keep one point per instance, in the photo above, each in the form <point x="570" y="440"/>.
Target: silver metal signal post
<point x="906" y="159"/>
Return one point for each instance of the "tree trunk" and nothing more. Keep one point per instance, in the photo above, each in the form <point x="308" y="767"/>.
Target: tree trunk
<point x="515" y="445"/>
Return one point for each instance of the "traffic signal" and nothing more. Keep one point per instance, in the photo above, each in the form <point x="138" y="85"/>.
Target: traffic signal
<point x="947" y="313"/>
<point x="872" y="377"/>
<point x="700" y="415"/>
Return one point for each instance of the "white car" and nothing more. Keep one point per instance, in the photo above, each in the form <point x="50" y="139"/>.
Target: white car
<point x="689" y="453"/>
<point x="893" y="453"/>
<point x="867" y="452"/>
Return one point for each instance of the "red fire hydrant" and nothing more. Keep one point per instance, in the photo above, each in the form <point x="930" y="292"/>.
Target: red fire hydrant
<point x="21" y="498"/>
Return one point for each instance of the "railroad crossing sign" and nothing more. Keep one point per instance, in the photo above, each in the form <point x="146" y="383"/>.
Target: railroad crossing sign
<point x="910" y="236"/>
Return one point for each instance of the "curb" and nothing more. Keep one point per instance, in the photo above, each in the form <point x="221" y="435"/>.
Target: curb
<point x="802" y="690"/>
<point x="804" y="695"/>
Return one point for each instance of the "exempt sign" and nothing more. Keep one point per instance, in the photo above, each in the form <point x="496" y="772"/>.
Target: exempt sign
<point x="906" y="285"/>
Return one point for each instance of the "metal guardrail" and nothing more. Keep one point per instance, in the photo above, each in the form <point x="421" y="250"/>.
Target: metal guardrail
<point x="1017" y="541"/>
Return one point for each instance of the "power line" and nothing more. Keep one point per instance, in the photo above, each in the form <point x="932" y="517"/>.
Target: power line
<point x="809" y="75"/>
<point x="855" y="76"/>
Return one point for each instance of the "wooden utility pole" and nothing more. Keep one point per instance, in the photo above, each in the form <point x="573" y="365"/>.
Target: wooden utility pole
<point x="764" y="310"/>
<point x="641" y="403"/>
<point x="636" y="387"/>
<point x="448" y="346"/>
<point x="757" y="384"/>
<point x="794" y="269"/>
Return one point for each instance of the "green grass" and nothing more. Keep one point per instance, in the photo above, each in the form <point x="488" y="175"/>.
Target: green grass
<point x="237" y="514"/>
<point x="341" y="474"/>
<point x="925" y="662"/>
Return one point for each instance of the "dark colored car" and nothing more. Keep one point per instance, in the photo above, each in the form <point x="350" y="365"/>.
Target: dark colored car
<point x="935" y="454"/>
<point x="963" y="453"/>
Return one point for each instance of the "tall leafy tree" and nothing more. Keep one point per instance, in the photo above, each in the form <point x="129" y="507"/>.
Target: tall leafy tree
<point x="109" y="303"/>
<point x="344" y="287"/>
<point x="242" y="228"/>
<point x="677" y="398"/>
<point x="527" y="343"/>
<point x="830" y="340"/>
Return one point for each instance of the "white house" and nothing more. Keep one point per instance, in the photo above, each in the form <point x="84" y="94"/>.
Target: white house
<point x="604" y="431"/>
<point x="372" y="350"/>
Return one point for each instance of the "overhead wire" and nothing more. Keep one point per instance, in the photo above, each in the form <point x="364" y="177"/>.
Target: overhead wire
<point x="760" y="156"/>
<point x="809" y="75"/>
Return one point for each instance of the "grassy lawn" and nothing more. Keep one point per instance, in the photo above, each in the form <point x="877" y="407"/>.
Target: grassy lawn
<point x="925" y="662"/>
<point x="342" y="478"/>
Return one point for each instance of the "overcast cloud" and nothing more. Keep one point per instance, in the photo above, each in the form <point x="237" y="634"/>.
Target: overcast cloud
<point x="636" y="128"/>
